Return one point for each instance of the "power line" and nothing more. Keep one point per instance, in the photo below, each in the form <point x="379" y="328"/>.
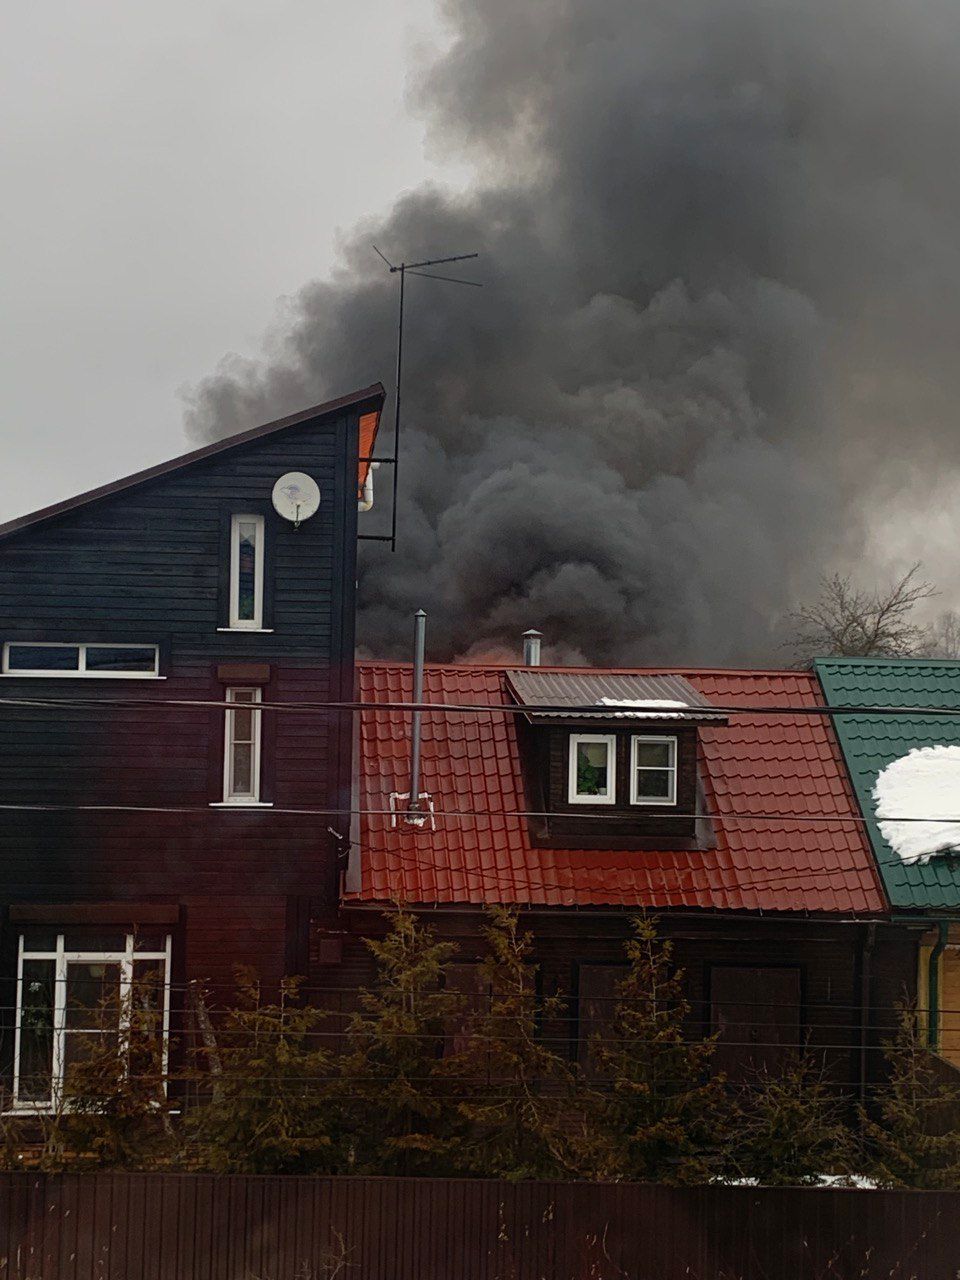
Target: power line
<point x="477" y="814"/>
<point x="741" y="881"/>
<point x="582" y="711"/>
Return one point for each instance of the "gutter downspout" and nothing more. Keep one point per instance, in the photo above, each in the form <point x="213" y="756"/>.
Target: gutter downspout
<point x="933" y="985"/>
<point x="866" y="955"/>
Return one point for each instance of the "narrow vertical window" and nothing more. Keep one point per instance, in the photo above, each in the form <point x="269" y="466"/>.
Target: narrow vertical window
<point x="592" y="768"/>
<point x="246" y="572"/>
<point x="241" y="755"/>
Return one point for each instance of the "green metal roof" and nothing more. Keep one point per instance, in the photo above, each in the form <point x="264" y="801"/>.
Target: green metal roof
<point x="870" y="742"/>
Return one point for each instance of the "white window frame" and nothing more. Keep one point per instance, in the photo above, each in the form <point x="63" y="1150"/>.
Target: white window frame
<point x="610" y="796"/>
<point x="256" y="622"/>
<point x="62" y="959"/>
<point x="80" y="671"/>
<point x="672" y="769"/>
<point x="229" y="743"/>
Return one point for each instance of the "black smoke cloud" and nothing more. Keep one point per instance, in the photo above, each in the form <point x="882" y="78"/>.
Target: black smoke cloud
<point x="721" y="255"/>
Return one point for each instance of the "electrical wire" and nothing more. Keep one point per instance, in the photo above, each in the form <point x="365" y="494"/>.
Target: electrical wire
<point x="741" y="878"/>
<point x="302" y="811"/>
<point x="592" y="711"/>
<point x="730" y="819"/>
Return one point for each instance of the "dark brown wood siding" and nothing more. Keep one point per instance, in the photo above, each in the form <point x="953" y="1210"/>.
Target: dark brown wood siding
<point x="825" y="955"/>
<point x="149" y="565"/>
<point x="618" y="825"/>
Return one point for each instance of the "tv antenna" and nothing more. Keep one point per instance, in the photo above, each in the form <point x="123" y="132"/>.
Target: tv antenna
<point x="403" y="269"/>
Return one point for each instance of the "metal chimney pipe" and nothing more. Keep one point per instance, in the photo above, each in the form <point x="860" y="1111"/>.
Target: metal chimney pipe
<point x="531" y="648"/>
<point x="419" y="634"/>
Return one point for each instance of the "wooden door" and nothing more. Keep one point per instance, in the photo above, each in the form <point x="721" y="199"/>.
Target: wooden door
<point x="756" y="1013"/>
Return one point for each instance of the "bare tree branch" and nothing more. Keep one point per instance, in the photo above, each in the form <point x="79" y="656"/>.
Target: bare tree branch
<point x="945" y="636"/>
<point x="847" y="621"/>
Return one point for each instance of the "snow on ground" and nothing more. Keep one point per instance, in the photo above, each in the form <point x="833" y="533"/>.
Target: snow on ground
<point x="657" y="708"/>
<point x="857" y="1181"/>
<point x="925" y="783"/>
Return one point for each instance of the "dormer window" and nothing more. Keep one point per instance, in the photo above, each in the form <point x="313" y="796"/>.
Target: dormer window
<point x="610" y="759"/>
<point x="592" y="768"/>
<point x="653" y="770"/>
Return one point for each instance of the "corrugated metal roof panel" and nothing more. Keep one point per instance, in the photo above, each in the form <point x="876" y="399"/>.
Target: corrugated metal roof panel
<point x="871" y="742"/>
<point x="480" y="851"/>
<point x="597" y="690"/>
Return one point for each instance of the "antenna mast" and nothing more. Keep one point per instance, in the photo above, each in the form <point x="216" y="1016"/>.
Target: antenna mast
<point x="403" y="269"/>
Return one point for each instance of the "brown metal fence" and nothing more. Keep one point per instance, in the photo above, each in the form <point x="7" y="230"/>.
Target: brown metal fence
<point x="191" y="1227"/>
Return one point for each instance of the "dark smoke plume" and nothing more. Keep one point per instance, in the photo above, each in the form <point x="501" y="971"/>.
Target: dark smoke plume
<point x="721" y="254"/>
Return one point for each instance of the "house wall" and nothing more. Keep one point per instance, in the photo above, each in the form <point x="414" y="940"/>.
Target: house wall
<point x="949" y="1021"/>
<point x="575" y="825"/>
<point x="150" y="565"/>
<point x="827" y="956"/>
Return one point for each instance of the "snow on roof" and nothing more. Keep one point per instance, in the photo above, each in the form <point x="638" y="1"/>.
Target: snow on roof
<point x="918" y="803"/>
<point x="658" y="708"/>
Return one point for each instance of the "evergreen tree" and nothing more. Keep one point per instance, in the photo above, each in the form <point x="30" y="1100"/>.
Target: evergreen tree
<point x="271" y="1104"/>
<point x="113" y="1109"/>
<point x="790" y="1127"/>
<point x="915" y="1139"/>
<point x="520" y="1100"/>
<point x="399" y="1111"/>
<point x="661" y="1111"/>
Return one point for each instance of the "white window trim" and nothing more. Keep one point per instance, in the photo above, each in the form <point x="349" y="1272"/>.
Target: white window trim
<point x="229" y="798"/>
<point x="81" y="672"/>
<point x="672" y="769"/>
<point x="611" y="794"/>
<point x="62" y="959"/>
<point x="256" y="622"/>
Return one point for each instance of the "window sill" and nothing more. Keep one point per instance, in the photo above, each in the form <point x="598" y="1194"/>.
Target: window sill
<point x="79" y="675"/>
<point x="248" y="631"/>
<point x="241" y="804"/>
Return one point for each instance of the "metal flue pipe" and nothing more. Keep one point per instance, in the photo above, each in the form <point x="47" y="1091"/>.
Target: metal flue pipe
<point x="419" y="636"/>
<point x="531" y="647"/>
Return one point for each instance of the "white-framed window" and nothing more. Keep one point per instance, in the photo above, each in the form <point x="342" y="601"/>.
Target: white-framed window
<point x="592" y="770"/>
<point x="246" y="572"/>
<point x="241" y="748"/>
<point x="68" y="1000"/>
<point x="53" y="658"/>
<point x="653" y="770"/>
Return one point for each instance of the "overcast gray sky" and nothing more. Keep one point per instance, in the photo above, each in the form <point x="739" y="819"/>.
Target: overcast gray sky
<point x="715" y="353"/>
<point x="169" y="171"/>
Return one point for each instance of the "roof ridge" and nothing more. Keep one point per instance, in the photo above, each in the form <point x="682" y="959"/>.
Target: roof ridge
<point x="665" y="669"/>
<point x="888" y="662"/>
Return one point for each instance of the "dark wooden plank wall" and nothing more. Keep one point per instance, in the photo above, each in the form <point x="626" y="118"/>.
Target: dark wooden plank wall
<point x="622" y="822"/>
<point x="190" y="1227"/>
<point x="827" y="955"/>
<point x="150" y="566"/>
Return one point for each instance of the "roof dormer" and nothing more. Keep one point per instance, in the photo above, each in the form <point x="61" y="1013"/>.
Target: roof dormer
<point x="610" y="760"/>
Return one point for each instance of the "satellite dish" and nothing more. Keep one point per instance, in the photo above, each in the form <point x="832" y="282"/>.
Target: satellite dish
<point x="296" y="497"/>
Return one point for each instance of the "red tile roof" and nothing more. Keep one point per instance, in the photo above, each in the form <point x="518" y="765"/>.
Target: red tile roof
<point x="769" y="764"/>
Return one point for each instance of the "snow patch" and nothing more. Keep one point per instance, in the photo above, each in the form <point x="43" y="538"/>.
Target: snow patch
<point x="656" y="708"/>
<point x="925" y="783"/>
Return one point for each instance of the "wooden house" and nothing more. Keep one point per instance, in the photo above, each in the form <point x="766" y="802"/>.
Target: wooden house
<point x="923" y="888"/>
<point x="711" y="798"/>
<point x="157" y="815"/>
